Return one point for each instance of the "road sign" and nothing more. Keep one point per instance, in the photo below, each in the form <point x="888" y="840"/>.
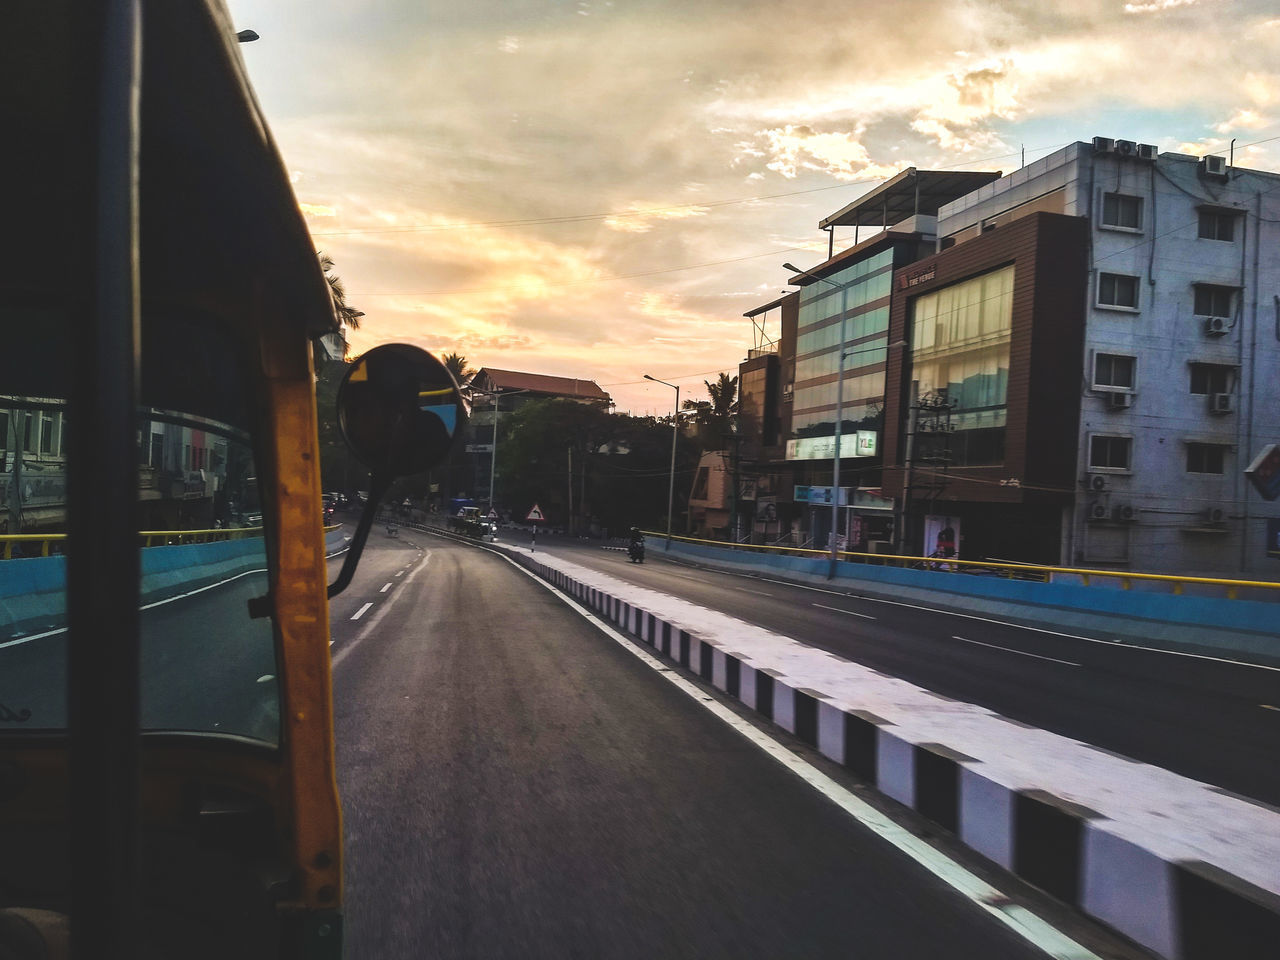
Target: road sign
<point x="535" y="513"/>
<point x="492" y="515"/>
<point x="1264" y="472"/>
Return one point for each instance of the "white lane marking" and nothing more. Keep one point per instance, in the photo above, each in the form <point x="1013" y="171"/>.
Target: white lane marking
<point x="362" y="611"/>
<point x="754" y="593"/>
<point x="371" y="624"/>
<point x="1021" y="653"/>
<point x="385" y="588"/>
<point x="852" y="613"/>
<point x="1006" y="623"/>
<point x="400" y="573"/>
<point x="1040" y="933"/>
<point x="146" y="606"/>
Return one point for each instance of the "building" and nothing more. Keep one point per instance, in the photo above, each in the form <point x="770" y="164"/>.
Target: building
<point x="491" y="393"/>
<point x="832" y="352"/>
<point x="1129" y="378"/>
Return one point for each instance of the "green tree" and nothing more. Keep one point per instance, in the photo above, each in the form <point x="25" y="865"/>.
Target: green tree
<point x="713" y="417"/>
<point x="456" y="364"/>
<point x="347" y="315"/>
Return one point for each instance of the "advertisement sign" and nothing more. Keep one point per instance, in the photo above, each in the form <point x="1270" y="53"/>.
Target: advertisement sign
<point x="479" y="448"/>
<point x="862" y="443"/>
<point x="941" y="536"/>
<point x="821" y="495"/>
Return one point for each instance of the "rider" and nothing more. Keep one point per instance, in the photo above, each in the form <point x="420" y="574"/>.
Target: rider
<point x="636" y="536"/>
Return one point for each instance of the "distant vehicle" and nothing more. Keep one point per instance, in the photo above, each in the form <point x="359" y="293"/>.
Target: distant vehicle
<point x="469" y="521"/>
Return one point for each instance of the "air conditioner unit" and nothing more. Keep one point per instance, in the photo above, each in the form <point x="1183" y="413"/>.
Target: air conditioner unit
<point x="1097" y="482"/>
<point x="1119" y="401"/>
<point x="1125" y="513"/>
<point x="1126" y="148"/>
<point x="1147" y="151"/>
<point x="1098" y="511"/>
<point x="1221" y="403"/>
<point x="1214" y="515"/>
<point x="1216" y="326"/>
<point x="1213" y="167"/>
<point x="1104" y="145"/>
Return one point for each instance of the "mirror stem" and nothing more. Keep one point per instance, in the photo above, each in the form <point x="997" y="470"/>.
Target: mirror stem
<point x="377" y="489"/>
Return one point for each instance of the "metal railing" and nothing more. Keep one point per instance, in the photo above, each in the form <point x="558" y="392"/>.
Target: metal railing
<point x="1019" y="571"/>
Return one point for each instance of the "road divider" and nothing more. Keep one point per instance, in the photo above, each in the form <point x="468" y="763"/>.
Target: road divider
<point x="1186" y="870"/>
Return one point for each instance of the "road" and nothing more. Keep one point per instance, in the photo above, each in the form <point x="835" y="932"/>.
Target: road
<point x="517" y="784"/>
<point x="1212" y="721"/>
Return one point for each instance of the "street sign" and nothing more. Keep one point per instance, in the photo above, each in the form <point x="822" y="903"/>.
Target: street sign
<point x="492" y="515"/>
<point x="479" y="448"/>
<point x="535" y="514"/>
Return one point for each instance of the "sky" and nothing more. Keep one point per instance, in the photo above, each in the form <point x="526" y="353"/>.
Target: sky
<point x="601" y="188"/>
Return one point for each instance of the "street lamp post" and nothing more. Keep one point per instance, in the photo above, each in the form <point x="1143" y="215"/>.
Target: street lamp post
<point x="675" y="427"/>
<point x="493" y="454"/>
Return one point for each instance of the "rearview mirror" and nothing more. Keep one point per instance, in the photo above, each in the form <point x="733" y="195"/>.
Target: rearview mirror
<point x="399" y="409"/>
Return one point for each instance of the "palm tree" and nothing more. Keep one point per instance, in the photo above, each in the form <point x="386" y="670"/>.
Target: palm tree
<point x="456" y="364"/>
<point x="348" y="316"/>
<point x="713" y="417"/>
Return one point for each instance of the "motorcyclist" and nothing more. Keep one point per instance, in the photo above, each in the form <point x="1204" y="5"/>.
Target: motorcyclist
<point x="636" y="547"/>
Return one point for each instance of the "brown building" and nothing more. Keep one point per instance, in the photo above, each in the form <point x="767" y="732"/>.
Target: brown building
<point x="983" y="402"/>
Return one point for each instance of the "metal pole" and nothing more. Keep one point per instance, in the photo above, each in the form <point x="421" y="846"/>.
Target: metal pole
<point x="835" y="457"/>
<point x="671" y="488"/>
<point x="493" y="454"/>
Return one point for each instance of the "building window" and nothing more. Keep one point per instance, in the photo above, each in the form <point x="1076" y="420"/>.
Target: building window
<point x="1109" y="453"/>
<point x="1217" y="226"/>
<point x="1122" y="211"/>
<point x="1117" y="290"/>
<point x="1205" y="457"/>
<point x="1209" y="378"/>
<point x="1113" y="371"/>
<point x="1213" y="300"/>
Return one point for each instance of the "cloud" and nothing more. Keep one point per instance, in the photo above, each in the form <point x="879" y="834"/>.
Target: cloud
<point x="643" y="216"/>
<point x="1158" y="6"/>
<point x="316" y="210"/>
<point x="793" y="149"/>
<point x="1243" y="120"/>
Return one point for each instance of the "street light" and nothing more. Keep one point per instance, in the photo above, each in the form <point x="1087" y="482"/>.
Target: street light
<point x="835" y="455"/>
<point x="493" y="454"/>
<point x="675" y="426"/>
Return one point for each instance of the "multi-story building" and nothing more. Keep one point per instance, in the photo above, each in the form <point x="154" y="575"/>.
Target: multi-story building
<point x="1103" y="326"/>
<point x="832" y="352"/>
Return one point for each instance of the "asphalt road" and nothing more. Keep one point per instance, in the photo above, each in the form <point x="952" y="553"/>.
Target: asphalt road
<point x="1216" y="722"/>
<point x="516" y="784"/>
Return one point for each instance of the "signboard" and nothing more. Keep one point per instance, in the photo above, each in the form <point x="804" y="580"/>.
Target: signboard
<point x="941" y="536"/>
<point x="821" y="496"/>
<point x="862" y="443"/>
<point x="767" y="509"/>
<point x="1273" y="539"/>
<point x="479" y="448"/>
<point x="492" y="515"/>
<point x="535" y="514"/>
<point x="1264" y="472"/>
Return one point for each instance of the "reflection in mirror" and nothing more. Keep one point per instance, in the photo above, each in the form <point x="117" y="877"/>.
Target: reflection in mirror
<point x="399" y="409"/>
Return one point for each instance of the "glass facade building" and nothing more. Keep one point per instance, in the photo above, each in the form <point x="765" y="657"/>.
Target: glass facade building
<point x="863" y="290"/>
<point x="960" y="350"/>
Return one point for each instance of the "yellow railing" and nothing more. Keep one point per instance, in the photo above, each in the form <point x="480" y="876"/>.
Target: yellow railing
<point x="1009" y="570"/>
<point x="150" y="538"/>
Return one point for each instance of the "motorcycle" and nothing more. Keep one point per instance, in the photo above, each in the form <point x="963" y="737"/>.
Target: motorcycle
<point x="636" y="551"/>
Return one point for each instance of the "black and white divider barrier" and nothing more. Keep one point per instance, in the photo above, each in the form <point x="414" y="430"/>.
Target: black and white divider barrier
<point x="1179" y="909"/>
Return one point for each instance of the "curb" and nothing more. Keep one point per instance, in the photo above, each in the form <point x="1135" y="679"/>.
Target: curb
<point x="1179" y="909"/>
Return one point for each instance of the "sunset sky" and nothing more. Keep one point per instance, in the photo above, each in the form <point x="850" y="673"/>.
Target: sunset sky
<point x="601" y="189"/>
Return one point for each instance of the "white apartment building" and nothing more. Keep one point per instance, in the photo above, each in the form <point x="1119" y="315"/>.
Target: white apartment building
<point x="1181" y="366"/>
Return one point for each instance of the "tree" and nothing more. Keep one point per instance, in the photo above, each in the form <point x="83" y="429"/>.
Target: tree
<point x="348" y="316"/>
<point x="456" y="364"/>
<point x="713" y="417"/>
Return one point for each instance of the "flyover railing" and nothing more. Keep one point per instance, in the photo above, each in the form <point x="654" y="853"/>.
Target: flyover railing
<point x="1125" y="579"/>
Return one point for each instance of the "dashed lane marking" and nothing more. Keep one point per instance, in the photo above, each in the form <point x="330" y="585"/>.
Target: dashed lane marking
<point x="385" y="588"/>
<point x="852" y="613"/>
<point x="362" y="611"/>
<point x="1021" y="653"/>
